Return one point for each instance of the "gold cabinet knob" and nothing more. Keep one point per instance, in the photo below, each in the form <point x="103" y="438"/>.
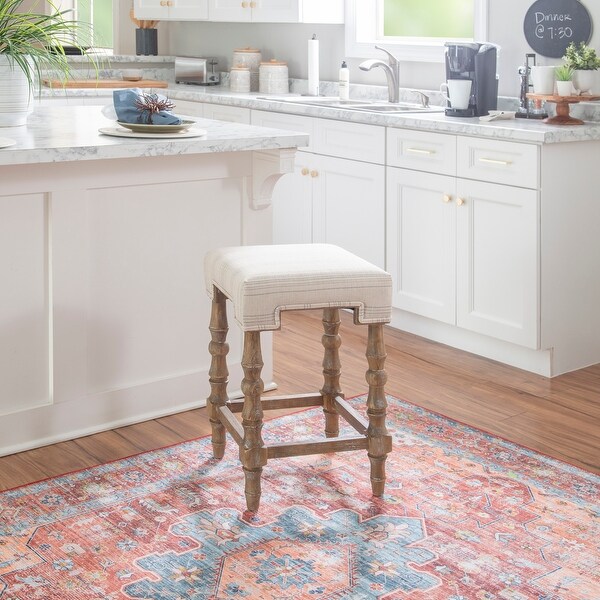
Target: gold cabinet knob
<point x="163" y="2"/>
<point x="244" y="5"/>
<point x="169" y="3"/>
<point x="305" y="171"/>
<point x="447" y="198"/>
<point x="314" y="173"/>
<point x="460" y="201"/>
<point x="252" y="4"/>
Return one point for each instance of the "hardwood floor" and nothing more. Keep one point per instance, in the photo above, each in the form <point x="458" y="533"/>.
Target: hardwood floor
<point x="559" y="417"/>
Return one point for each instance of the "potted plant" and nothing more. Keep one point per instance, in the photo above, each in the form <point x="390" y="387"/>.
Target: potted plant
<point x="584" y="62"/>
<point x="31" y="43"/>
<point x="564" y="83"/>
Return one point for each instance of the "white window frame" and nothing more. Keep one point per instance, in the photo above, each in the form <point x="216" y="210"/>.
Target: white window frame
<point x="362" y="18"/>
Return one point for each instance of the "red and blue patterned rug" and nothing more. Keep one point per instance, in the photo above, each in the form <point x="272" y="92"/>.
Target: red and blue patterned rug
<point x="465" y="516"/>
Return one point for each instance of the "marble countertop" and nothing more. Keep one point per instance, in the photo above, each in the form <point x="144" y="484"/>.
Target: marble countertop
<point x="71" y="133"/>
<point x="521" y="130"/>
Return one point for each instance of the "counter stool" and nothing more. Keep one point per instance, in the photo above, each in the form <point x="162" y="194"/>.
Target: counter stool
<point x="261" y="281"/>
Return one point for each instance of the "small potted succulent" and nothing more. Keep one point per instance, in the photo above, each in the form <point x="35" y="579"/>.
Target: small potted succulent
<point x="584" y="62"/>
<point x="564" y="80"/>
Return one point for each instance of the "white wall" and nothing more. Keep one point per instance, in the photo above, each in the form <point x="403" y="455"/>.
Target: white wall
<point x="288" y="42"/>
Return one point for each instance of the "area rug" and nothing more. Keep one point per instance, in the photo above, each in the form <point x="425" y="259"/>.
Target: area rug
<point x="465" y="516"/>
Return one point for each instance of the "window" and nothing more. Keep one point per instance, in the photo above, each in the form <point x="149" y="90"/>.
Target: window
<point x="413" y="30"/>
<point x="100" y="14"/>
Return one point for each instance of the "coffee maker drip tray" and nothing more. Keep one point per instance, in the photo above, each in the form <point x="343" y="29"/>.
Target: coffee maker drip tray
<point x="460" y="112"/>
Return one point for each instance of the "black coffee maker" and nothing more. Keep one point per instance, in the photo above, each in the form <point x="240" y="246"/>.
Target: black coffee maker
<point x="476" y="62"/>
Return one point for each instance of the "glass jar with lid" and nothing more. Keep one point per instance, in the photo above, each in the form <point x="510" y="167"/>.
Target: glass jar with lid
<point x="274" y="77"/>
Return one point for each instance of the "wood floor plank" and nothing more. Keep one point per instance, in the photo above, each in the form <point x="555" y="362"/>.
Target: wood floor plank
<point x="559" y="417"/>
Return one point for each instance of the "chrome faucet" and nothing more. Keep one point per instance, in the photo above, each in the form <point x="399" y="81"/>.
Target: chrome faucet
<point x="392" y="72"/>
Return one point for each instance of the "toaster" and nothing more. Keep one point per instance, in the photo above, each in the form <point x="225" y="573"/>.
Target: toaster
<point x="196" y="71"/>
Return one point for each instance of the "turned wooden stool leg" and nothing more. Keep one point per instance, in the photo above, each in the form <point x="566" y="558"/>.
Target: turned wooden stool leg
<point x="253" y="454"/>
<point x="331" y="370"/>
<point x="218" y="373"/>
<point x="380" y="442"/>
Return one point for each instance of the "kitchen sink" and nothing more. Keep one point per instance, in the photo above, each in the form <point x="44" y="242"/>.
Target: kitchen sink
<point x="377" y="106"/>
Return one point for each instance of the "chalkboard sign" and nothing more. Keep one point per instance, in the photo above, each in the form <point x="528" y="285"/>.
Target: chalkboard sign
<point x="551" y="25"/>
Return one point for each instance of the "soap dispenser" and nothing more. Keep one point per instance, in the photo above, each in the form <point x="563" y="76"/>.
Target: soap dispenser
<point x="344" y="82"/>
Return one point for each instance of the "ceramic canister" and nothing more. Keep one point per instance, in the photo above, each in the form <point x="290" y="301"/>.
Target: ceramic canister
<point x="274" y="78"/>
<point x="239" y="79"/>
<point x="248" y="57"/>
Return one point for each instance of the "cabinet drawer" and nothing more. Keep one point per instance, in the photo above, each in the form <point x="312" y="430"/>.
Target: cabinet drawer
<point x="263" y="118"/>
<point x="350" y="140"/>
<point x="422" y="150"/>
<point x="496" y="161"/>
<point x="222" y="112"/>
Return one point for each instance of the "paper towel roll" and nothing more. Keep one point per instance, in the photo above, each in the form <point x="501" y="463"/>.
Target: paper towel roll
<point x="313" y="66"/>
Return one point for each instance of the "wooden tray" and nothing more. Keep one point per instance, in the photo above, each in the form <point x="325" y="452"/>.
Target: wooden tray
<point x="562" y="107"/>
<point x="104" y="83"/>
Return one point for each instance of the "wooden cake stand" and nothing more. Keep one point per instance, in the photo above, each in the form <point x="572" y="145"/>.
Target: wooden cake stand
<point x="562" y="116"/>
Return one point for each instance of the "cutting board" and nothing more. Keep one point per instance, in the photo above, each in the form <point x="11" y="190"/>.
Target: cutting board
<point x="104" y="83"/>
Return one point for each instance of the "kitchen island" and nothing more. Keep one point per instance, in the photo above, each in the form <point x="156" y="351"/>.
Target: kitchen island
<point x="103" y="313"/>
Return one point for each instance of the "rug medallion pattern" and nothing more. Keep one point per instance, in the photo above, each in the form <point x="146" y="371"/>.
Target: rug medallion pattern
<point x="465" y="516"/>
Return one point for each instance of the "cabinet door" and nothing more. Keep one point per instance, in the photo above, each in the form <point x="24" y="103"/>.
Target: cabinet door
<point x="230" y="10"/>
<point x="497" y="261"/>
<point x="188" y="10"/>
<point x="234" y="114"/>
<point x="421" y="242"/>
<point x="349" y="206"/>
<point x="276" y="11"/>
<point x="292" y="204"/>
<point x="151" y="9"/>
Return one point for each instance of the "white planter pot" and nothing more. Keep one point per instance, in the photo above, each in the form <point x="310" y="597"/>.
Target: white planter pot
<point x="584" y="81"/>
<point x="564" y="88"/>
<point x="16" y="99"/>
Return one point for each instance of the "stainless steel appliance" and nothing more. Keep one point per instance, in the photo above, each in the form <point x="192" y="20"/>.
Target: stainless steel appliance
<point x="196" y="71"/>
<point x="476" y="62"/>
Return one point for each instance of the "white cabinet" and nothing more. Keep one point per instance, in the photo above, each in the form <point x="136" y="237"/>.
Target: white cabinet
<point x="461" y="251"/>
<point x="188" y="108"/>
<point x="222" y="112"/>
<point x="331" y="197"/>
<point x="172" y="10"/>
<point x="277" y="11"/>
<point x="497" y="249"/>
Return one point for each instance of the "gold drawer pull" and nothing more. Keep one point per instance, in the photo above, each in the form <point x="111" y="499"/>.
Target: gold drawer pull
<point x="244" y="5"/>
<point x="305" y="171"/>
<point x="495" y="161"/>
<point x="460" y="201"/>
<point x="447" y="198"/>
<point x="252" y="4"/>
<point x="420" y="151"/>
<point x="314" y="173"/>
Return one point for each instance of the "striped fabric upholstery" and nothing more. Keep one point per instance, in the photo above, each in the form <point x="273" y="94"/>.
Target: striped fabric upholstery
<point x="261" y="281"/>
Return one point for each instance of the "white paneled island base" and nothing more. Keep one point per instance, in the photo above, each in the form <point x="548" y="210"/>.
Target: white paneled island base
<point x="103" y="314"/>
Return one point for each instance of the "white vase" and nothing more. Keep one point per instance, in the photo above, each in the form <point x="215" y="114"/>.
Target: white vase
<point x="564" y="88"/>
<point x="16" y="98"/>
<point x="584" y="80"/>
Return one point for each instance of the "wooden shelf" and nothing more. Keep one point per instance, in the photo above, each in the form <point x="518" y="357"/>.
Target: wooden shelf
<point x="562" y="116"/>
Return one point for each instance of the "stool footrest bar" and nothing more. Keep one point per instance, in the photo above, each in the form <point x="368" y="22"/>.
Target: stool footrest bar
<point x="233" y="426"/>
<point x="340" y="444"/>
<point x="352" y="416"/>
<point x="277" y="402"/>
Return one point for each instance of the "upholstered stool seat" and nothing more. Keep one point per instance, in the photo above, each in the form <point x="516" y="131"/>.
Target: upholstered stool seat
<point x="261" y="281"/>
